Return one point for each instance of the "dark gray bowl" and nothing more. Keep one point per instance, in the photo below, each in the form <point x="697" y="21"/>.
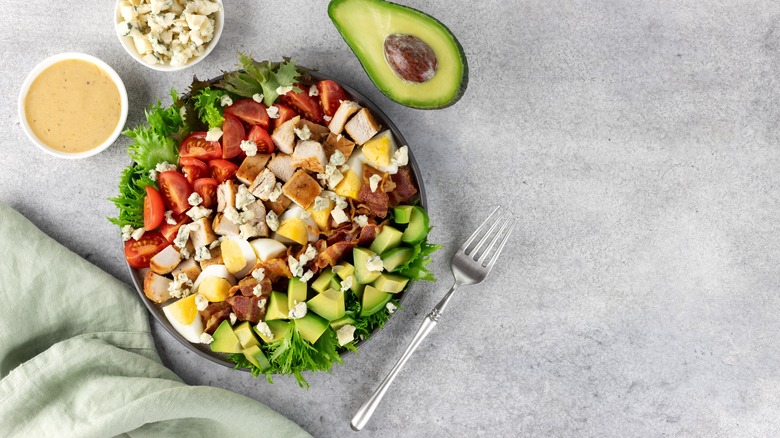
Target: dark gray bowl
<point x="220" y="358"/>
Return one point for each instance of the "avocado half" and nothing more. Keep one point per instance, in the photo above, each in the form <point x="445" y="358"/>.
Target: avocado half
<point x="368" y="25"/>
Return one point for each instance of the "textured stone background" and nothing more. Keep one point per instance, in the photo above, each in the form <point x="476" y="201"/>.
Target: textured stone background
<point x="635" y="140"/>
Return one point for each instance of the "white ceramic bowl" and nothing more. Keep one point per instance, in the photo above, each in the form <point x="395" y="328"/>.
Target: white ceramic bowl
<point x="46" y="63"/>
<point x="127" y="42"/>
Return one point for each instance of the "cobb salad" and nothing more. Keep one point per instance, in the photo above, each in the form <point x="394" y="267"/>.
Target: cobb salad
<point x="272" y="217"/>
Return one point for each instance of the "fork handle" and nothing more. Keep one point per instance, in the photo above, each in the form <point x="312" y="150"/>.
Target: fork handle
<point x="364" y="413"/>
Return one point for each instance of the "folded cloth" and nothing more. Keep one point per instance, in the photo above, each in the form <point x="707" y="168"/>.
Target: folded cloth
<point x="77" y="357"/>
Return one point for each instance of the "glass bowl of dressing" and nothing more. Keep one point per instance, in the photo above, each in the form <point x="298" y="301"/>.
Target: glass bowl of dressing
<point x="73" y="105"/>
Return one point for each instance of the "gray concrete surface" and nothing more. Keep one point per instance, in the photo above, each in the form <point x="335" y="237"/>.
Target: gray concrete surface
<point x="637" y="141"/>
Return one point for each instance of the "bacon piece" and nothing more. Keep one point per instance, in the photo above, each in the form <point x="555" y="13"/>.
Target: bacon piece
<point x="345" y="233"/>
<point x="404" y="187"/>
<point x="368" y="234"/>
<point x="377" y="202"/>
<point x="247" y="286"/>
<point x="246" y="308"/>
<point x="274" y="268"/>
<point x="334" y="253"/>
<point x="214" y="314"/>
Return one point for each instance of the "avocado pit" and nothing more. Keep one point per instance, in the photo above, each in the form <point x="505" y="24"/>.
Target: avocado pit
<point x="410" y="58"/>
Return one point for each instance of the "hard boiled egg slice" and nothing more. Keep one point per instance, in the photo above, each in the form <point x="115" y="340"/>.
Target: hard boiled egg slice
<point x="213" y="271"/>
<point x="322" y="217"/>
<point x="183" y="316"/>
<point x="378" y="152"/>
<point x="267" y="249"/>
<point x="297" y="225"/>
<point x="238" y="256"/>
<point x="355" y="164"/>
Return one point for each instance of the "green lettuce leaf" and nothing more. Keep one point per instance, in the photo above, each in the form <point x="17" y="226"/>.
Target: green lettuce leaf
<point x="208" y="107"/>
<point x="260" y="78"/>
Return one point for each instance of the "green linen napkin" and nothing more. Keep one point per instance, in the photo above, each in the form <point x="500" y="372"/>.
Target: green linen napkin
<point x="77" y="357"/>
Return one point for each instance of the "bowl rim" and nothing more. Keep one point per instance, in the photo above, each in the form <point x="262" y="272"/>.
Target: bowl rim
<point x="127" y="43"/>
<point x="66" y="56"/>
<point x="202" y="350"/>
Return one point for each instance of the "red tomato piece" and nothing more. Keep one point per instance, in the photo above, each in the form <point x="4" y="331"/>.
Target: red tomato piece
<point x="285" y="113"/>
<point x="233" y="134"/>
<point x="139" y="252"/>
<point x="175" y="190"/>
<point x="154" y="209"/>
<point x="193" y="168"/>
<point x="306" y="105"/>
<point x="222" y="170"/>
<point x="265" y="145"/>
<point x="169" y="231"/>
<point x="249" y="111"/>
<point x="196" y="146"/>
<point x="331" y="95"/>
<point x="207" y="189"/>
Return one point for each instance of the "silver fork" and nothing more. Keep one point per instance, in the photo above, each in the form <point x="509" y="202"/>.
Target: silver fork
<point x="469" y="266"/>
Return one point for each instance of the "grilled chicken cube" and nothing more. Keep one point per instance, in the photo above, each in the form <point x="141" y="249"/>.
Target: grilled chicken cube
<point x="258" y="208"/>
<point x="156" y="287"/>
<point x="223" y="226"/>
<point x="362" y="126"/>
<point x="165" y="261"/>
<point x="263" y="184"/>
<point x="201" y="233"/>
<point x="226" y="195"/>
<point x="338" y="143"/>
<point x="251" y="167"/>
<point x="216" y="258"/>
<point x="279" y="206"/>
<point x="318" y="132"/>
<point x="309" y="155"/>
<point x="281" y="166"/>
<point x="284" y="135"/>
<point x="188" y="267"/>
<point x="345" y="111"/>
<point x="302" y="189"/>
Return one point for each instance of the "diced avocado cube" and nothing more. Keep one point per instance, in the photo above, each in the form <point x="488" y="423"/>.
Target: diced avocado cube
<point x="402" y="214"/>
<point x="344" y="270"/>
<point x="245" y="335"/>
<point x="256" y="357"/>
<point x="311" y="327"/>
<point x="277" y="307"/>
<point x="418" y="227"/>
<point x="390" y="283"/>
<point x="334" y="283"/>
<point x="225" y="340"/>
<point x="341" y="322"/>
<point x="278" y="328"/>
<point x="329" y="304"/>
<point x="396" y="257"/>
<point x="297" y="292"/>
<point x="323" y="281"/>
<point x="357" y="288"/>
<point x="373" y="300"/>
<point x="388" y="238"/>
<point x="361" y="257"/>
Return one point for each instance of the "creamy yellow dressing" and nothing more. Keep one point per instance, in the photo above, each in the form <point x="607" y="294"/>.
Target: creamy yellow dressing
<point x="73" y="106"/>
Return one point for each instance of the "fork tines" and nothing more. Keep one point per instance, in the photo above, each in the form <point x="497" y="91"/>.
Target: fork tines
<point x="499" y="225"/>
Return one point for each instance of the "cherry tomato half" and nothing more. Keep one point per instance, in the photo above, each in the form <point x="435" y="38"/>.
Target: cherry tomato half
<point x="175" y="190"/>
<point x="196" y="146"/>
<point x="285" y="113"/>
<point x="139" y="252"/>
<point x="249" y="111"/>
<point x="233" y="134"/>
<point x="207" y="189"/>
<point x="193" y="168"/>
<point x="331" y="95"/>
<point x="222" y="170"/>
<point x="154" y="209"/>
<point x="169" y="231"/>
<point x="306" y="105"/>
<point x="265" y="145"/>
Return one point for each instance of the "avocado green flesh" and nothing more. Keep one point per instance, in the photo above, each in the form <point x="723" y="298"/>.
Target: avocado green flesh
<point x="388" y="238"/>
<point x="277" y="328"/>
<point x="341" y="322"/>
<point x="256" y="357"/>
<point x="402" y="213"/>
<point x="297" y="292"/>
<point x="417" y="230"/>
<point x="329" y="304"/>
<point x="277" y="307"/>
<point x="364" y="25"/>
<point x="373" y="300"/>
<point x="311" y="327"/>
<point x="245" y="335"/>
<point x="396" y="257"/>
<point x="362" y="274"/>
<point x="225" y="340"/>
<point x="322" y="282"/>
<point x="390" y="283"/>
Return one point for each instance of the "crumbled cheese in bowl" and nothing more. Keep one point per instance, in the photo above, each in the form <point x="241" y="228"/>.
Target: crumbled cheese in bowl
<point x="169" y="34"/>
